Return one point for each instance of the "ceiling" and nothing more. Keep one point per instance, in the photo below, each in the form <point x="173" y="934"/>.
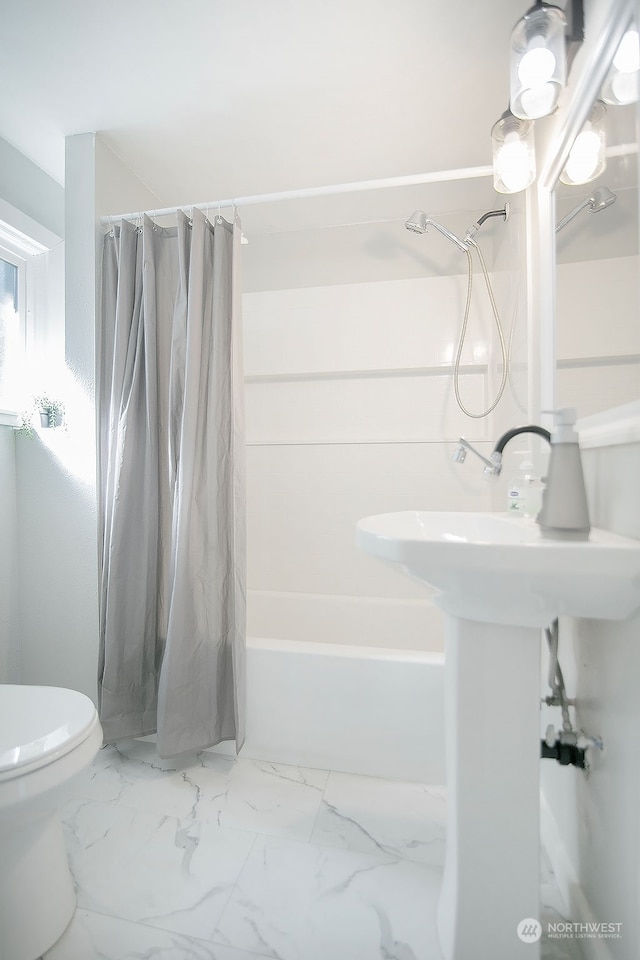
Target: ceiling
<point x="213" y="98"/>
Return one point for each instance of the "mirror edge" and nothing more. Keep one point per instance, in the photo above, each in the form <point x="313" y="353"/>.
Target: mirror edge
<point x="605" y="25"/>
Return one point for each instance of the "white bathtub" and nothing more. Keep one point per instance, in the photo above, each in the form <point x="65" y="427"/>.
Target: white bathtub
<point x="358" y="709"/>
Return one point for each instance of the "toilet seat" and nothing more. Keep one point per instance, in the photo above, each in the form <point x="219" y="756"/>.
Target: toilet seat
<point x="47" y="736"/>
<point x="39" y="725"/>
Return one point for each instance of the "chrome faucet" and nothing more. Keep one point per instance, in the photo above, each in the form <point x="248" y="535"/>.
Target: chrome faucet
<point x="496" y="456"/>
<point x="565" y="513"/>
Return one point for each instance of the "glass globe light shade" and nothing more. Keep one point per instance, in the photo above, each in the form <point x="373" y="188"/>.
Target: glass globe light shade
<point x="538" y="61"/>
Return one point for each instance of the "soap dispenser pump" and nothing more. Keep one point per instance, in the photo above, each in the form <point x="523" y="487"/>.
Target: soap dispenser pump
<point x="564" y="514"/>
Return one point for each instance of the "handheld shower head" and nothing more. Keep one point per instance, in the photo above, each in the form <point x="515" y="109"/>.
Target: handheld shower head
<point x="419" y="222"/>
<point x="601" y="198"/>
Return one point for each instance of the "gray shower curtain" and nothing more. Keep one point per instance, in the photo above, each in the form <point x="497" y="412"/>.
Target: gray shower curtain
<point x="171" y="485"/>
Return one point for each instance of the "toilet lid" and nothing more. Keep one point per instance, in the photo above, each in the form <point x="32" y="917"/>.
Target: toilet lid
<point x="39" y="724"/>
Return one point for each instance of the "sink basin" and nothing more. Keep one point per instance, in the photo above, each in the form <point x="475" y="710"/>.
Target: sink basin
<point x="495" y="568"/>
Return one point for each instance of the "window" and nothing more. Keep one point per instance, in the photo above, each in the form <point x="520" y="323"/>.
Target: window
<point x="11" y="330"/>
<point x="18" y="257"/>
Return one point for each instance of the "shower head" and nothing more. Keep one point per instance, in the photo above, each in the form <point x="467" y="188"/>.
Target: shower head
<point x="419" y="222"/>
<point x="601" y="198"/>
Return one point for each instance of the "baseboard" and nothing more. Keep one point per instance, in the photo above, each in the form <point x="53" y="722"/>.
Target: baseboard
<point x="566" y="879"/>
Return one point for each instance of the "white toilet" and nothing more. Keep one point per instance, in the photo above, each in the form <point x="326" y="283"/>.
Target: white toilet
<point x="47" y="734"/>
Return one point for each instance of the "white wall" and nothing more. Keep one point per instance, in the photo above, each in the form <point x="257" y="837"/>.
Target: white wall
<point x="9" y="649"/>
<point x="598" y="344"/>
<point x="596" y="820"/>
<point x="30" y="201"/>
<point x="29" y="189"/>
<point x="350" y="412"/>
<point x="56" y="484"/>
<point x="593" y="822"/>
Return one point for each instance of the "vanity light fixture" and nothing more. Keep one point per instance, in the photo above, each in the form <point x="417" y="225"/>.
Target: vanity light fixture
<point x="514" y="159"/>
<point x="622" y="84"/>
<point x="538" y="61"/>
<point x="543" y="42"/>
<point x="587" y="159"/>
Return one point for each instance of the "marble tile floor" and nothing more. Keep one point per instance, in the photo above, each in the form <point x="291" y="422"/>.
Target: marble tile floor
<point x="217" y="858"/>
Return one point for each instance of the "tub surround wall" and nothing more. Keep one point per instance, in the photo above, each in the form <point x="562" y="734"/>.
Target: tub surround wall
<point x="351" y="412"/>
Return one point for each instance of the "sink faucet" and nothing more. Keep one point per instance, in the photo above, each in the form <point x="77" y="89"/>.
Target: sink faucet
<point x="496" y="456"/>
<point x="564" y="514"/>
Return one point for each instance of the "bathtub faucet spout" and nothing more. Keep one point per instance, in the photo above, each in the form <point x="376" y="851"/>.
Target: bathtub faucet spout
<point x="460" y="455"/>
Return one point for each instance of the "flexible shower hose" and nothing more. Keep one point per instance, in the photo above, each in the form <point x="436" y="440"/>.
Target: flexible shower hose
<point x="463" y="333"/>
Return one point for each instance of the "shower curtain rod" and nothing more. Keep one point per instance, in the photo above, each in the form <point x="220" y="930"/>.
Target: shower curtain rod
<point x="464" y="173"/>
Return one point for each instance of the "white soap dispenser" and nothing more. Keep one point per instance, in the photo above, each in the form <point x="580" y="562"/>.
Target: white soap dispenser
<point x="565" y="513"/>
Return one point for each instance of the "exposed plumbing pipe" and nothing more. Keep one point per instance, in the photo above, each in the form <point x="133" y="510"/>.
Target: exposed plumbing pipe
<point x="569" y="745"/>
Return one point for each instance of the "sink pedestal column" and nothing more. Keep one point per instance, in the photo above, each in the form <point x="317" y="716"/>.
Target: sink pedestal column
<point x="492" y="872"/>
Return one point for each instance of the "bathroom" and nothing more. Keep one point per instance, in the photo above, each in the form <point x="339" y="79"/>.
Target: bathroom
<point x="348" y="321"/>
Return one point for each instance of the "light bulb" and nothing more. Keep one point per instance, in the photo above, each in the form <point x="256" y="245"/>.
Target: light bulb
<point x="512" y="164"/>
<point x="625" y="87"/>
<point x="584" y="157"/>
<point x="537" y="66"/>
<point x="627" y="58"/>
<point x="538" y="62"/>
<point x="539" y="101"/>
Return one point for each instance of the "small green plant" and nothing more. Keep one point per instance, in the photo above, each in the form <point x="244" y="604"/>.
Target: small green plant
<point x="26" y="423"/>
<point x="51" y="414"/>
<point x="51" y="411"/>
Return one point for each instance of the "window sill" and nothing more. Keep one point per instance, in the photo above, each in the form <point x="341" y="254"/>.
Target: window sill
<point x="8" y="418"/>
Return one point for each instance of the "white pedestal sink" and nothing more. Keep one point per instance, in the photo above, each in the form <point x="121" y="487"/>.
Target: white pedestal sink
<point x="499" y="583"/>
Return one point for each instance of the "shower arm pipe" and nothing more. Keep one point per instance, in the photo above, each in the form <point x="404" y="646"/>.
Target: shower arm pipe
<point x="493" y="213"/>
<point x="441" y="176"/>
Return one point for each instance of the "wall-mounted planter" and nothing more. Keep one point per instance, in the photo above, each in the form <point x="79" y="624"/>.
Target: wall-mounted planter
<point x="51" y="419"/>
<point x="51" y="412"/>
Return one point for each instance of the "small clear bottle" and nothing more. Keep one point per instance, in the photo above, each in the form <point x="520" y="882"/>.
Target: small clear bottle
<point x="524" y="496"/>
